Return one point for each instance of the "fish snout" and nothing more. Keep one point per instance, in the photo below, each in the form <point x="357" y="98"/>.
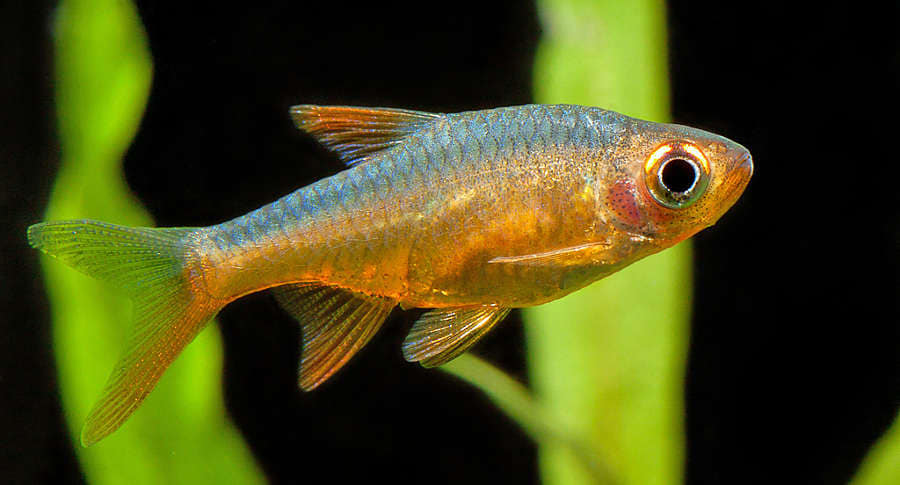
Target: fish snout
<point x="744" y="164"/>
<point x="736" y="179"/>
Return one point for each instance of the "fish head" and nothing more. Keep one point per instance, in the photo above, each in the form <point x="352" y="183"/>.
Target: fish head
<point x="675" y="181"/>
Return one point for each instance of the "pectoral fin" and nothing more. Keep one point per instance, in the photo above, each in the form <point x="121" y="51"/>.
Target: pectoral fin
<point x="355" y="132"/>
<point x="336" y="323"/>
<point x="593" y="252"/>
<point x="441" y="335"/>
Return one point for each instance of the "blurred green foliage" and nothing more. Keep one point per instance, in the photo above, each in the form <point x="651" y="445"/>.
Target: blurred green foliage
<point x="514" y="400"/>
<point x="181" y="434"/>
<point x="882" y="465"/>
<point x="608" y="361"/>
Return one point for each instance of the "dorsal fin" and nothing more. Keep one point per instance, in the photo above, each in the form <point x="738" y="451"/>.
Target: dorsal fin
<point x="441" y="335"/>
<point x="356" y="132"/>
<point x="336" y="323"/>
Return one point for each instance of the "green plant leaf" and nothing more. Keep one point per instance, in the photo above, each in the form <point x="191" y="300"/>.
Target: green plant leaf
<point x="609" y="360"/>
<point x="882" y="464"/>
<point x="514" y="400"/>
<point x="181" y="434"/>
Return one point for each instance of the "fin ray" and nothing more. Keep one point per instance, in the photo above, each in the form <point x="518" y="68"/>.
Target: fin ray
<point x="336" y="323"/>
<point x="151" y="265"/>
<point x="441" y="335"/>
<point x="589" y="252"/>
<point x="355" y="133"/>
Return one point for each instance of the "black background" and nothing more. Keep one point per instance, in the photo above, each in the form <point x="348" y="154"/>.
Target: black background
<point x="793" y="368"/>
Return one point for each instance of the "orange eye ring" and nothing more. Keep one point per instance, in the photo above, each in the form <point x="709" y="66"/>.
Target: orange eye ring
<point x="676" y="174"/>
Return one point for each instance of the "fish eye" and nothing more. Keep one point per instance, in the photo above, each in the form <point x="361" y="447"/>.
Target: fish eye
<point x="676" y="174"/>
<point x="679" y="175"/>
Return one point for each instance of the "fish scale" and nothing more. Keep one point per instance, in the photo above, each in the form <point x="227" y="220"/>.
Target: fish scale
<point x="466" y="214"/>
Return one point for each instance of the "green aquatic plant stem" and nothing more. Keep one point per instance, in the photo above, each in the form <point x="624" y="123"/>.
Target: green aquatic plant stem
<point x="181" y="434"/>
<point x="609" y="360"/>
<point x="515" y="401"/>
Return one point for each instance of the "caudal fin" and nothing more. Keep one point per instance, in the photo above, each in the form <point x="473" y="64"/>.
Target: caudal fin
<point x="153" y="265"/>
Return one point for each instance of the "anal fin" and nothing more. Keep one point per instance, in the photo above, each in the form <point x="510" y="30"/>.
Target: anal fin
<point x="335" y="323"/>
<point x="441" y="335"/>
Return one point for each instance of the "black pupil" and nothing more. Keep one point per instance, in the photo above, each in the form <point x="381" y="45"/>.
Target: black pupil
<point x="678" y="175"/>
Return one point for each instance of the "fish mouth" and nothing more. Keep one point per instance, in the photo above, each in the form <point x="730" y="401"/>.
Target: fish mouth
<point x="745" y="164"/>
<point x="735" y="183"/>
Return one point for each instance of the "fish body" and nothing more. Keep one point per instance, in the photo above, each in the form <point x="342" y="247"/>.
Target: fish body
<point x="469" y="214"/>
<point x="450" y="216"/>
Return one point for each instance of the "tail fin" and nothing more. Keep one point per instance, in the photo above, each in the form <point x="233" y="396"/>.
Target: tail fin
<point x="153" y="265"/>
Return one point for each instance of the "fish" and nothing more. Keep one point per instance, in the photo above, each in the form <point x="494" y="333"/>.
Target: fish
<point x="466" y="215"/>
